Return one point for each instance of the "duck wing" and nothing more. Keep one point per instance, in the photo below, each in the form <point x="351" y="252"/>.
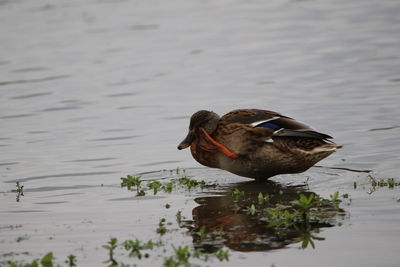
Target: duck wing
<point x="279" y="124"/>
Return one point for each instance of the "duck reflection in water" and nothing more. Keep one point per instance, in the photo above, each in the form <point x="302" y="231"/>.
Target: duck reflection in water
<point x="226" y="220"/>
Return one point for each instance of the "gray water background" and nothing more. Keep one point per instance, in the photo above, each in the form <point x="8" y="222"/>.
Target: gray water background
<point x="93" y="90"/>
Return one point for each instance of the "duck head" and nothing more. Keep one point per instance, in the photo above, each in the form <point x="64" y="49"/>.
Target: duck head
<point x="205" y="119"/>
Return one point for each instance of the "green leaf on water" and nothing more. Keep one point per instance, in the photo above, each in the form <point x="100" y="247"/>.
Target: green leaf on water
<point x="47" y="260"/>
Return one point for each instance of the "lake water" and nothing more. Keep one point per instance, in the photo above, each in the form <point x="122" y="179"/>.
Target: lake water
<point x="91" y="91"/>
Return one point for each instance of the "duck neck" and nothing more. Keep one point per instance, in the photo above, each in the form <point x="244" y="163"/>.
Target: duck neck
<point x="204" y="152"/>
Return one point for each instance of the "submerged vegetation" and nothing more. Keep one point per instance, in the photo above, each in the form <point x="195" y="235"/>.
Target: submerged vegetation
<point x="259" y="217"/>
<point x="45" y="261"/>
<point x="247" y="217"/>
<point x="132" y="181"/>
<point x="156" y="186"/>
<point x="379" y="183"/>
<point x="19" y="190"/>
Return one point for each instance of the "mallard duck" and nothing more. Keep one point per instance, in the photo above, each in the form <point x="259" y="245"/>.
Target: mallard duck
<point x="255" y="143"/>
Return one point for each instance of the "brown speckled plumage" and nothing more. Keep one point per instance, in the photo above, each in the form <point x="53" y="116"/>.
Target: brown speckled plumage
<point x="263" y="151"/>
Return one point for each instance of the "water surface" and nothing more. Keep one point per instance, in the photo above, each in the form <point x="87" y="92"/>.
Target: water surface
<point x="94" y="90"/>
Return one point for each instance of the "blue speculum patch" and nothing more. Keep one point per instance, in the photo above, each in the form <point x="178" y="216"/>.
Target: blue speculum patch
<point x="269" y="125"/>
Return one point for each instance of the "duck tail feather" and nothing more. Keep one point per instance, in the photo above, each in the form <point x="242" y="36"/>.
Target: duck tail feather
<point x="302" y="133"/>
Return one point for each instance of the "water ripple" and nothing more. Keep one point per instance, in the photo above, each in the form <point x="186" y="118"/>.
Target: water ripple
<point x="59" y="176"/>
<point x="144" y="27"/>
<point x="59" y="109"/>
<point x="115" y="138"/>
<point x="16" y="116"/>
<point x="88" y="160"/>
<point x="45" y="79"/>
<point x="8" y="163"/>
<point x="31" y="95"/>
<point x="383" y="129"/>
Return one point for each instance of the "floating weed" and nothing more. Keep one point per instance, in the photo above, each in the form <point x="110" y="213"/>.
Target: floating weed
<point x="182" y="254"/>
<point x="22" y="238"/>
<point x="335" y="199"/>
<point x="19" y="190"/>
<point x="346" y="197"/>
<point x="47" y="260"/>
<point x="251" y="209"/>
<point x="202" y="232"/>
<point x="304" y="204"/>
<point x="71" y="261"/>
<point x="302" y="215"/>
<point x="136" y="246"/>
<point x="168" y="187"/>
<point x="181" y="257"/>
<point x="307" y="237"/>
<point x="390" y="182"/>
<point x="167" y="206"/>
<point x="263" y="198"/>
<point x="378" y="183"/>
<point x="236" y="193"/>
<point x="202" y="184"/>
<point x="177" y="171"/>
<point x="111" y="246"/>
<point x="155" y="185"/>
<point x="130" y="181"/>
<point x="179" y="217"/>
<point x="280" y="217"/>
<point x="222" y="254"/>
<point x="197" y="254"/>
<point x="22" y="264"/>
<point x="161" y="230"/>
<point x="170" y="262"/>
<point x="355" y="185"/>
<point x="188" y="182"/>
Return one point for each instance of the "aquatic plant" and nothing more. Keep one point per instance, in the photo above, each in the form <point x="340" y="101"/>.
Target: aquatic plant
<point x="280" y="217"/>
<point x="377" y="183"/>
<point x="191" y="183"/>
<point x="168" y="187"/>
<point x="251" y="209"/>
<point x="136" y="246"/>
<point x="177" y="170"/>
<point x="161" y="227"/>
<point x="22" y="238"/>
<point x="19" y="190"/>
<point x="222" y="254"/>
<point x="130" y="181"/>
<point x="236" y="193"/>
<point x="304" y="204"/>
<point x="301" y="216"/>
<point x="111" y="246"/>
<point x="263" y="198"/>
<point x="181" y="257"/>
<point x="47" y="260"/>
<point x="155" y="185"/>
<point x="178" y="217"/>
<point x="202" y="232"/>
<point x="306" y="235"/>
<point x="335" y="199"/>
<point x="182" y="254"/>
<point x="71" y="261"/>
